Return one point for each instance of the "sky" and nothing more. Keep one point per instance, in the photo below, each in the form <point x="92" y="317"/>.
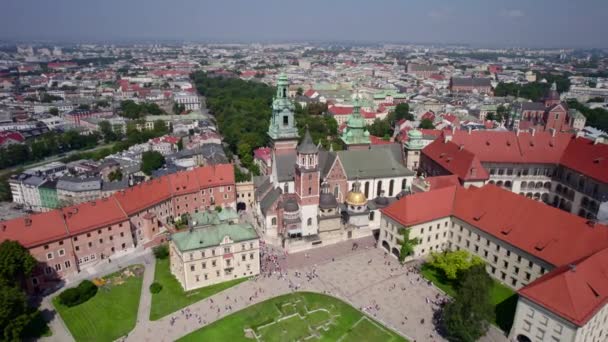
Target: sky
<point x="521" y="23"/>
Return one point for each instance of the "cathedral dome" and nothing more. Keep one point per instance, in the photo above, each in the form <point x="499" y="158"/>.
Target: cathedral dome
<point x="327" y="200"/>
<point x="356" y="198"/>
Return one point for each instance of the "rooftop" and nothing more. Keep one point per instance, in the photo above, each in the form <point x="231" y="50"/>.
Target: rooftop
<point x="213" y="236"/>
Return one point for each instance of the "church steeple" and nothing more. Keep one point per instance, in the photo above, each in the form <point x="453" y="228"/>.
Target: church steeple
<point x="355" y="132"/>
<point x="282" y="130"/>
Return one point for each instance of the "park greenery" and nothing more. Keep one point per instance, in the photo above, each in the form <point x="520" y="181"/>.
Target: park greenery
<point x="151" y="161"/>
<point x="111" y="313"/>
<point x="502" y="299"/>
<point x="452" y="263"/>
<point x="467" y="317"/>
<point x="132" y="110"/>
<point x="242" y="110"/>
<point x="534" y="91"/>
<point x="79" y="294"/>
<point x="297" y="316"/>
<point x="18" y="320"/>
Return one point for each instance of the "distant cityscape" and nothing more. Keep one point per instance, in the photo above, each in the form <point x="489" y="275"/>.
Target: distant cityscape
<point x="257" y="163"/>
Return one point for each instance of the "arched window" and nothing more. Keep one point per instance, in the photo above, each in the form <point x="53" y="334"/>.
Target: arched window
<point x="379" y="188"/>
<point x="309" y="222"/>
<point x="390" y="187"/>
<point x="336" y="190"/>
<point x="309" y="190"/>
<point x="404" y="184"/>
<point x="274" y="221"/>
<point x="285" y="188"/>
<point x="371" y="215"/>
<point x="367" y="189"/>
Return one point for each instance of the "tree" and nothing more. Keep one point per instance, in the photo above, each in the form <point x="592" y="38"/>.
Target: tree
<point x="84" y="107"/>
<point x="54" y="111"/>
<point x="300" y="91"/>
<point x="466" y="318"/>
<point x="107" y="131"/>
<point x="150" y="161"/>
<point x="16" y="262"/>
<point x="178" y="108"/>
<point x="426" y="124"/>
<point x="160" y="127"/>
<point x="380" y="128"/>
<point x="115" y="175"/>
<point x="402" y="111"/>
<point x="454" y="262"/>
<point x="407" y="244"/>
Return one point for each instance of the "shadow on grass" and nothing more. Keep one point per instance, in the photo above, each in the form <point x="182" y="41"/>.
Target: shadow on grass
<point x="38" y="326"/>
<point x="505" y="311"/>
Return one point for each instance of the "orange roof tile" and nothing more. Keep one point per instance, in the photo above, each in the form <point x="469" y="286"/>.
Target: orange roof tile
<point x="144" y="195"/>
<point x="92" y="215"/>
<point x="422" y="207"/>
<point x="34" y="230"/>
<point x="575" y="292"/>
<point x="456" y="159"/>
<point x="584" y="156"/>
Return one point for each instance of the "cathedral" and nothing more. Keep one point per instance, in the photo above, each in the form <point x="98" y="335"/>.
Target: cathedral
<point x="313" y="197"/>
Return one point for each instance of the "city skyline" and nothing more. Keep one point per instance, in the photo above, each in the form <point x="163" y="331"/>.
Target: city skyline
<point x="500" y="23"/>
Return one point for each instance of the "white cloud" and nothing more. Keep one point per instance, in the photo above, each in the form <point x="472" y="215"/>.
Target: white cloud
<point x="512" y="13"/>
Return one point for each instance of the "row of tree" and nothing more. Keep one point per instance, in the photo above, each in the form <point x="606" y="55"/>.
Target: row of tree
<point x="132" y="110"/>
<point x="384" y="128"/>
<point x="46" y="145"/>
<point x="597" y="117"/>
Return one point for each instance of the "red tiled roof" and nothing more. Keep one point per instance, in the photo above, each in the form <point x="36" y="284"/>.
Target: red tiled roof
<point x="456" y="159"/>
<point x="144" y="195"/>
<point x="183" y="183"/>
<point x="575" y="292"/>
<point x="91" y="215"/>
<point x="549" y="234"/>
<point x="16" y="136"/>
<point x="34" y="230"/>
<point x="438" y="182"/>
<point x="584" y="156"/>
<point x="309" y="93"/>
<point x="215" y="175"/>
<point x="378" y="141"/>
<point x="422" y="207"/>
<point x="339" y="110"/>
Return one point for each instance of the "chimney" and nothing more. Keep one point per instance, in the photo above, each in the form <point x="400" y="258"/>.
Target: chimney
<point x="598" y="140"/>
<point x="572" y="267"/>
<point x="470" y="130"/>
<point x="453" y="129"/>
<point x="517" y="132"/>
<point x="28" y="221"/>
<point x="532" y="131"/>
<point x="553" y="131"/>
<point x="461" y="147"/>
<point x="447" y="138"/>
<point x="580" y="134"/>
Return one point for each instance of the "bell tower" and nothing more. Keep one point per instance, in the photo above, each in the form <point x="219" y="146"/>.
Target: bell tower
<point x="282" y="131"/>
<point x="307" y="181"/>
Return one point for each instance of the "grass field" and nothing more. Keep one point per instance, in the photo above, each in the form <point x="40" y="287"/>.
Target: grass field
<point x="502" y="298"/>
<point x="294" y="317"/>
<point x="173" y="297"/>
<point x="109" y="315"/>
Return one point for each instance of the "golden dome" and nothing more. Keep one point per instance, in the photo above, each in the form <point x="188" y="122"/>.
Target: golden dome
<point x="355" y="198"/>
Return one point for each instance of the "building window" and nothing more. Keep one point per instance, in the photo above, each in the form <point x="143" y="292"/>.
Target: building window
<point x="68" y="264"/>
<point x="46" y="246"/>
<point x="57" y="267"/>
<point x="61" y="252"/>
<point x="213" y="263"/>
<point x="243" y="257"/>
<point x="204" y="265"/>
<point x="191" y="267"/>
<point x="226" y="250"/>
<point x="309" y="222"/>
<point x="197" y="278"/>
<point x="49" y="256"/>
<point x="251" y="256"/>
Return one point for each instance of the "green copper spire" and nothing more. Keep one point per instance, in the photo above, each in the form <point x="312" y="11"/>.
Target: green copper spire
<point x="282" y="122"/>
<point x="355" y="132"/>
<point x="414" y="140"/>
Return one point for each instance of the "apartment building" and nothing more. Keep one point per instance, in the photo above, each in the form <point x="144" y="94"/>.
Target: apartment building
<point x="65" y="241"/>
<point x="525" y="245"/>
<point x="204" y="256"/>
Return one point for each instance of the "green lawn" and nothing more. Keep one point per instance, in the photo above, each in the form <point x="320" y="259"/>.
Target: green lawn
<point x="326" y="318"/>
<point x="112" y="313"/>
<point x="173" y="297"/>
<point x="502" y="298"/>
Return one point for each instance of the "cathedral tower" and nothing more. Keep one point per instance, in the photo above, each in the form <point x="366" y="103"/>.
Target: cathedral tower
<point x="307" y="184"/>
<point x="282" y="131"/>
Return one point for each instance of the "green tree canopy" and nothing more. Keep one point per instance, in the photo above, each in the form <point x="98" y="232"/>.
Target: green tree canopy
<point x="150" y="161"/>
<point x="402" y="111"/>
<point x="426" y="124"/>
<point x="16" y="262"/>
<point x="407" y="244"/>
<point x="466" y="318"/>
<point x="453" y="262"/>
